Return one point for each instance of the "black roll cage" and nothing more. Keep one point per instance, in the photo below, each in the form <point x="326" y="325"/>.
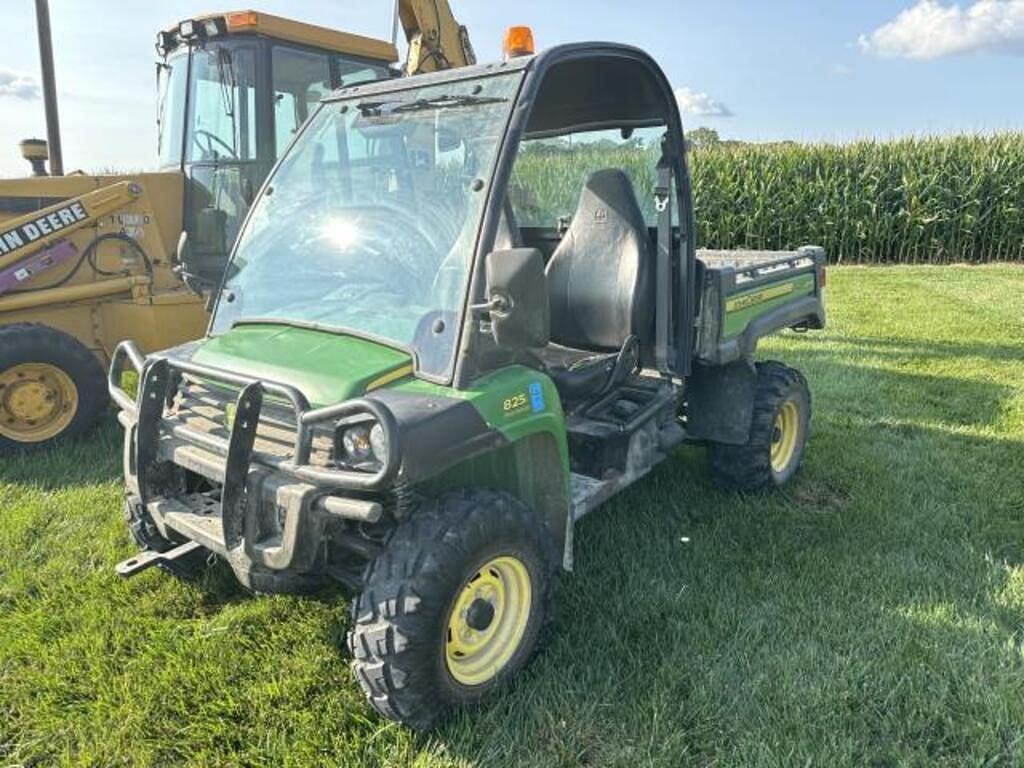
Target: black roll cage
<point x="681" y="296"/>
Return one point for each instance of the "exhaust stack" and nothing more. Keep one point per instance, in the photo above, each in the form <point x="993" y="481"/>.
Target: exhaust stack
<point x="49" y="90"/>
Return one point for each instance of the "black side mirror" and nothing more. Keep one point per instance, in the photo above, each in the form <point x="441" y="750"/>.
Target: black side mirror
<point x="517" y="298"/>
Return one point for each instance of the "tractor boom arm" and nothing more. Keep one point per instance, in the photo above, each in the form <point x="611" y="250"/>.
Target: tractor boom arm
<point x="436" y="39"/>
<point x="23" y="237"/>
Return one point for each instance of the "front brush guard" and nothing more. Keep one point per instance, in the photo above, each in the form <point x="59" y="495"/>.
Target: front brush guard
<point x="249" y="478"/>
<point x="158" y="377"/>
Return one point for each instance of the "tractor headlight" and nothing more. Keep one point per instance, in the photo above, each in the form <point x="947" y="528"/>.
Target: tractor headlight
<point x="165" y="43"/>
<point x="213" y="27"/>
<point x="363" y="445"/>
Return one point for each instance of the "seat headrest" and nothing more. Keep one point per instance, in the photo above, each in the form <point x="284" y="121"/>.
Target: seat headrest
<point x="599" y="278"/>
<point x="607" y="195"/>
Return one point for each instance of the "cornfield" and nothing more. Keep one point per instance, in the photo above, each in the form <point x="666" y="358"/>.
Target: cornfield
<point x="932" y="200"/>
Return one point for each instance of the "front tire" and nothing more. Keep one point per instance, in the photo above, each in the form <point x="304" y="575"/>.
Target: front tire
<point x="453" y="606"/>
<point x="51" y="387"/>
<point x="779" y="430"/>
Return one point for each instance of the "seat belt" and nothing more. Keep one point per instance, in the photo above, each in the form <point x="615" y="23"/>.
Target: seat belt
<point x="664" y="356"/>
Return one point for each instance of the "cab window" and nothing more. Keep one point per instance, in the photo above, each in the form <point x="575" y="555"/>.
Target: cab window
<point x="301" y="79"/>
<point x="550" y="172"/>
<point x="351" y="72"/>
<point x="223" y="105"/>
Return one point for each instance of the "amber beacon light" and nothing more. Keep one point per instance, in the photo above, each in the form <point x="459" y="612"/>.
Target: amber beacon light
<point x="518" y="42"/>
<point x="243" y="19"/>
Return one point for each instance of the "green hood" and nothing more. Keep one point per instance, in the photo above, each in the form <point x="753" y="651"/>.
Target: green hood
<point x="326" y="367"/>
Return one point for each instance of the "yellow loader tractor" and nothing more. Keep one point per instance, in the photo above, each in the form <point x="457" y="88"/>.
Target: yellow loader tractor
<point x="87" y="261"/>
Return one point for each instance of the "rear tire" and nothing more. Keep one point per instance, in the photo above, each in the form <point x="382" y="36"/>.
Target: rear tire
<point x="779" y="430"/>
<point x="453" y="606"/>
<point x="51" y="387"/>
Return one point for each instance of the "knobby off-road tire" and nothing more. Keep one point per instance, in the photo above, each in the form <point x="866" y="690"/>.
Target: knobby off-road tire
<point x="422" y="599"/>
<point x="778" y="433"/>
<point x="51" y="387"/>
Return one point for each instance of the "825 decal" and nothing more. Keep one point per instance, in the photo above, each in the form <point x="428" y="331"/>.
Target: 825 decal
<point x="515" y="403"/>
<point x="532" y="399"/>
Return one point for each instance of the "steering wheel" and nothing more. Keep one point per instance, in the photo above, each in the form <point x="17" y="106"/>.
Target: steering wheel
<point x="211" y="139"/>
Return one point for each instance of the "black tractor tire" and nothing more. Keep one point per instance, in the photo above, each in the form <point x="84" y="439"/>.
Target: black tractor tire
<point x="402" y="621"/>
<point x="751" y="466"/>
<point x="32" y="344"/>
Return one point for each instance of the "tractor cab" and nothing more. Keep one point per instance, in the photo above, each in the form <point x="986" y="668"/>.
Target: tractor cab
<point x="233" y="90"/>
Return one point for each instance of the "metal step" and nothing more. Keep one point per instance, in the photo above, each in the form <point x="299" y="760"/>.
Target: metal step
<point x="589" y="493"/>
<point x="195" y="516"/>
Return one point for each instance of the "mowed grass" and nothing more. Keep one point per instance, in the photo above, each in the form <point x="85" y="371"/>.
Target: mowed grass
<point x="870" y="614"/>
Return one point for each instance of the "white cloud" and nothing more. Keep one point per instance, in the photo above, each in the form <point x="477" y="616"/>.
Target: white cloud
<point x="931" y="29"/>
<point x="840" y="70"/>
<point x="18" y="86"/>
<point x="700" y="104"/>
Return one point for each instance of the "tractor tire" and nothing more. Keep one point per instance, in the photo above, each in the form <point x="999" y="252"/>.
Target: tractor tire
<point x="779" y="430"/>
<point x="51" y="387"/>
<point x="453" y="606"/>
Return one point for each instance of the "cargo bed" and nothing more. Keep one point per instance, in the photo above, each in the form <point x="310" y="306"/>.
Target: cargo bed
<point x="745" y="295"/>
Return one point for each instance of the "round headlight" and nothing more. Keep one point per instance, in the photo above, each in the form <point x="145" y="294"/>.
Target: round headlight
<point x="379" y="443"/>
<point x="356" y="442"/>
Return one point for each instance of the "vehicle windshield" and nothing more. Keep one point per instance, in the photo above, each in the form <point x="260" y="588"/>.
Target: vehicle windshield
<point x="369" y="223"/>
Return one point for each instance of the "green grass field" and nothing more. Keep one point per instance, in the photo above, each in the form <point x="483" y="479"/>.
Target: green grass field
<point x="870" y="615"/>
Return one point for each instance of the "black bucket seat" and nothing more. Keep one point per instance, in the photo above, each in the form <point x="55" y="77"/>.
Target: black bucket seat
<point x="600" y="282"/>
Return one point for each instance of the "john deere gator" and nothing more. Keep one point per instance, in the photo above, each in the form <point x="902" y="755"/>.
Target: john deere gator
<point x="465" y="310"/>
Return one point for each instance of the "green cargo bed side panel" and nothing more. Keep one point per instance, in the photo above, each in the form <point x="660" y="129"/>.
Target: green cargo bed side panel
<point x="327" y="367"/>
<point x="746" y="306"/>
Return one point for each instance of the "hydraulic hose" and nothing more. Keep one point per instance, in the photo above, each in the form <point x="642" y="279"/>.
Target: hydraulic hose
<point x="89" y="254"/>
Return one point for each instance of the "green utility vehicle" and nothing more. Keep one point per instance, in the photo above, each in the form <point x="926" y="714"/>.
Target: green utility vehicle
<point x="465" y="310"/>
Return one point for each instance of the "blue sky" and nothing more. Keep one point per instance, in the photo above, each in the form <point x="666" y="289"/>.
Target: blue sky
<point x="752" y="69"/>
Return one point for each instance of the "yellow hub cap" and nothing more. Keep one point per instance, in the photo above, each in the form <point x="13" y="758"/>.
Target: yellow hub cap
<point x="784" y="436"/>
<point x="37" y="401"/>
<point x="488" y="621"/>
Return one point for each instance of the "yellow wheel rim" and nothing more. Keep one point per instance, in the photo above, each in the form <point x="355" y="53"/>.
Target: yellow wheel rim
<point x="488" y="621"/>
<point x="785" y="436"/>
<point x="37" y="402"/>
